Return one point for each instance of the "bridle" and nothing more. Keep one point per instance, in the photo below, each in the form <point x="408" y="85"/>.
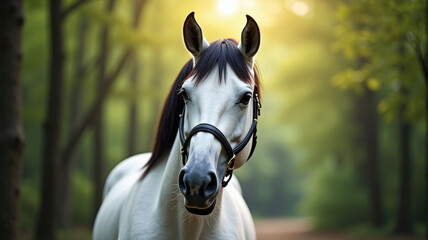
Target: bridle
<point x="231" y="153"/>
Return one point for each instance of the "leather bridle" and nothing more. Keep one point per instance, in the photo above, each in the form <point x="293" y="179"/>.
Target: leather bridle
<point x="231" y="153"/>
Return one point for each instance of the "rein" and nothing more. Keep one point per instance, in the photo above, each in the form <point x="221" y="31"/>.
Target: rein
<point x="231" y="153"/>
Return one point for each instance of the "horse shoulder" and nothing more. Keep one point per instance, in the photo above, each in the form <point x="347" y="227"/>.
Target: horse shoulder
<point x="116" y="191"/>
<point x="106" y="225"/>
<point x="124" y="168"/>
<point x="139" y="217"/>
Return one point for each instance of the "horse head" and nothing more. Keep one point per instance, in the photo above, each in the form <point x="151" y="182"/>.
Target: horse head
<point x="217" y="127"/>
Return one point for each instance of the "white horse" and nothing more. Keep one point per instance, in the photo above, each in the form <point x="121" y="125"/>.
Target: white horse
<point x="152" y="195"/>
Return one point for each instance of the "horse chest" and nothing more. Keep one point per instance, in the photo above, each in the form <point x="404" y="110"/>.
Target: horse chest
<point x="142" y="218"/>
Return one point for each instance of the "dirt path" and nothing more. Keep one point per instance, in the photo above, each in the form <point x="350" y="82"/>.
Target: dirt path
<point x="299" y="229"/>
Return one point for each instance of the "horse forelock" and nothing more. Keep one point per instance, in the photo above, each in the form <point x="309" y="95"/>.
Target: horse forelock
<point x="219" y="54"/>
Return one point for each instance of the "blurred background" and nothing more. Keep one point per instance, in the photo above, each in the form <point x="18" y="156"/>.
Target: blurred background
<point x="342" y="135"/>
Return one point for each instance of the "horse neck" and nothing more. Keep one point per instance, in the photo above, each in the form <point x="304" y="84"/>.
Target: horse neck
<point x="171" y="200"/>
<point x="169" y="185"/>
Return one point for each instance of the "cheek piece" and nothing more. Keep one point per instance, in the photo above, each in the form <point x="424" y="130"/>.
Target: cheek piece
<point x="231" y="153"/>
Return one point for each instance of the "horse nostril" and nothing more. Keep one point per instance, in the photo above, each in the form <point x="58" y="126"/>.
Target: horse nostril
<point x="211" y="187"/>
<point x="194" y="185"/>
<point x="181" y="183"/>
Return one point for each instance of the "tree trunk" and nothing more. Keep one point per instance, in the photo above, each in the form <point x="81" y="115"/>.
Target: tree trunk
<point x="420" y="47"/>
<point x="156" y="80"/>
<point x="11" y="132"/>
<point x="46" y="223"/>
<point x="404" y="217"/>
<point x="133" y="113"/>
<point x="65" y="191"/>
<point x="99" y="163"/>
<point x="371" y="125"/>
<point x="367" y="116"/>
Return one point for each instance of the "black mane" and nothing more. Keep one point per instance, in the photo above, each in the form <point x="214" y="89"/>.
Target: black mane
<point x="219" y="53"/>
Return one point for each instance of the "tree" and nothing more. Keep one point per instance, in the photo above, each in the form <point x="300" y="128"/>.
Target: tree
<point x="367" y="120"/>
<point x="99" y="158"/>
<point x="11" y="132"/>
<point x="132" y="130"/>
<point x="64" y="191"/>
<point x="381" y="35"/>
<point x="133" y="81"/>
<point x="46" y="223"/>
<point x="52" y="128"/>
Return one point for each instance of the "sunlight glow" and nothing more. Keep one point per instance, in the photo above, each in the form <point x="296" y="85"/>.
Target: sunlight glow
<point x="273" y="7"/>
<point x="300" y="8"/>
<point x="227" y="7"/>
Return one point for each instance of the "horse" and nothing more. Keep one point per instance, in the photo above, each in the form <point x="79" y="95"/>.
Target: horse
<point x="184" y="189"/>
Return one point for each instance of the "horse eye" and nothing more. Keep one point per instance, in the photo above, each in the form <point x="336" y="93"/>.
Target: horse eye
<point x="183" y="94"/>
<point x="246" y="99"/>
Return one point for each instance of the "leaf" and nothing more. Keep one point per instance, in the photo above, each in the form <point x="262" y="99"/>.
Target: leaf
<point x="373" y="84"/>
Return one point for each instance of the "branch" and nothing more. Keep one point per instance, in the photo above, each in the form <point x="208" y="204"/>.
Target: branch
<point x="78" y="131"/>
<point x="138" y="7"/>
<point x="415" y="41"/>
<point x="81" y="126"/>
<point x="90" y="65"/>
<point x="73" y="6"/>
<point x="423" y="63"/>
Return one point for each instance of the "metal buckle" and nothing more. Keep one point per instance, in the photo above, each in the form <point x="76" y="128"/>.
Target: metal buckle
<point x="225" y="182"/>
<point x="183" y="156"/>
<point x="231" y="163"/>
<point x="259" y="104"/>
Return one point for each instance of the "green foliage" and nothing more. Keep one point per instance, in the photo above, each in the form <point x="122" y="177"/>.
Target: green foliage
<point x="356" y="80"/>
<point x="419" y="197"/>
<point x="270" y="182"/>
<point x="390" y="179"/>
<point x="381" y="37"/>
<point x="83" y="189"/>
<point x="75" y="233"/>
<point x="316" y="115"/>
<point x="34" y="80"/>
<point x="29" y="201"/>
<point x="335" y="199"/>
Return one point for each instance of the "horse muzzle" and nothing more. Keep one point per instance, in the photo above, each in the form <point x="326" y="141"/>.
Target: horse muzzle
<point x="200" y="189"/>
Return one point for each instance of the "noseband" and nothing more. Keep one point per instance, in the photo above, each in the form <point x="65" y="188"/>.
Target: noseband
<point x="231" y="153"/>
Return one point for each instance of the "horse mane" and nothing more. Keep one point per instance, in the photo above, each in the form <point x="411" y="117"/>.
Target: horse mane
<point x="219" y="53"/>
<point x="168" y="121"/>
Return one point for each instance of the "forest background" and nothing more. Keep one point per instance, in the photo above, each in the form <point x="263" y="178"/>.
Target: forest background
<point x="342" y="135"/>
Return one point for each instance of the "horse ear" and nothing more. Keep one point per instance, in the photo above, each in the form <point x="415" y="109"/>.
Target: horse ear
<point x="250" y="39"/>
<point x="193" y="37"/>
